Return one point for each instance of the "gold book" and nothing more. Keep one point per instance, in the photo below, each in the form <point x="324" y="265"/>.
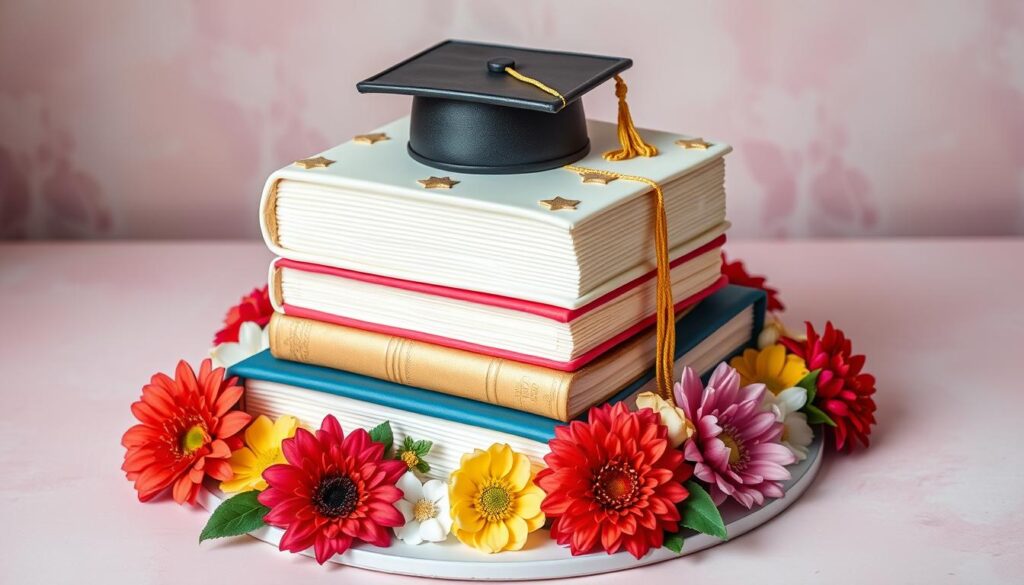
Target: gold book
<point x="543" y="391"/>
<point x="478" y="377"/>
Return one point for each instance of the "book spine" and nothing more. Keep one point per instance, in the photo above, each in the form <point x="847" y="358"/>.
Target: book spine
<point x="497" y="381"/>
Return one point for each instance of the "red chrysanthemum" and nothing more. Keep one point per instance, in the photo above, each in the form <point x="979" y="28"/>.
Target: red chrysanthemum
<point x="613" y="482"/>
<point x="737" y="274"/>
<point x="187" y="432"/>
<point x="844" y="392"/>
<point x="254" y="307"/>
<point x="334" y="490"/>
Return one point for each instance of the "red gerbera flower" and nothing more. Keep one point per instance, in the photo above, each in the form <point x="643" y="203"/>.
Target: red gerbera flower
<point x="333" y="491"/>
<point x="613" y="482"/>
<point x="844" y="392"/>
<point x="737" y="274"/>
<point x="187" y="432"/>
<point x="255" y="307"/>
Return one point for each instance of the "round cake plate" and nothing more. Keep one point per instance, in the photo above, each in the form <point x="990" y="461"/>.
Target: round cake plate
<point x="542" y="557"/>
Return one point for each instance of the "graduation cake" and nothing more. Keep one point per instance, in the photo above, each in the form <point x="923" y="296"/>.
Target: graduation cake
<point x="497" y="326"/>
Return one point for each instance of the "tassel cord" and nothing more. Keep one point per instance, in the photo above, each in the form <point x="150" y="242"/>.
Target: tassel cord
<point x="665" y="330"/>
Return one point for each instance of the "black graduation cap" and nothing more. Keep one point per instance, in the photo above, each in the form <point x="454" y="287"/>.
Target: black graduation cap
<point x="480" y="108"/>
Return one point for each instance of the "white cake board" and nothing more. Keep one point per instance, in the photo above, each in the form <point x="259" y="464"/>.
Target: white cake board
<point x="543" y="558"/>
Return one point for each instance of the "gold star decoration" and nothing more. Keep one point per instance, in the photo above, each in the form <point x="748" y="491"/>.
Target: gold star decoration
<point x="370" y="138"/>
<point x="596" y="178"/>
<point x="559" y="204"/>
<point x="437" y="183"/>
<point x="318" y="162"/>
<point x="693" y="143"/>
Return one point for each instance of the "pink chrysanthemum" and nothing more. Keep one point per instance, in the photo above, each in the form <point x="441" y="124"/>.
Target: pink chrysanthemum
<point x="736" y="448"/>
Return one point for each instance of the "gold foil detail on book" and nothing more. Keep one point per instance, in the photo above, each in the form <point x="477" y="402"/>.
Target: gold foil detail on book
<point x="317" y="162"/>
<point x="559" y="204"/>
<point x="593" y="178"/>
<point x="437" y="182"/>
<point x="370" y="138"/>
<point x="270" y="213"/>
<point x="693" y="143"/>
<point x="291" y="337"/>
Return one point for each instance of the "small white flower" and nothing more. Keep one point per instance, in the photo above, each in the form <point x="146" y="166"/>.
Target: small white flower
<point x="679" y="427"/>
<point x="252" y="339"/>
<point x="425" y="507"/>
<point x="773" y="329"/>
<point x="796" y="434"/>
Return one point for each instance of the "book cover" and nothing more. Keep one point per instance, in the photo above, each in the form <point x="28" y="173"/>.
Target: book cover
<point x="367" y="211"/>
<point x="695" y="326"/>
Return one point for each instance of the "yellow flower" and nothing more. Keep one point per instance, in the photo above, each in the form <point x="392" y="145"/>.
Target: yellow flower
<point x="770" y="366"/>
<point x="679" y="427"/>
<point x="495" y="503"/>
<point x="262" y="449"/>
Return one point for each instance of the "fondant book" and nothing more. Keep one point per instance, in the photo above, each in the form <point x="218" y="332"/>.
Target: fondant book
<point x="368" y="211"/>
<point x="719" y="327"/>
<point x="542" y="335"/>
<point x="503" y="382"/>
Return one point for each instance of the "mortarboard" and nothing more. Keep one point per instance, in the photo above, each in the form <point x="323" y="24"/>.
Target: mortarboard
<point x="481" y="108"/>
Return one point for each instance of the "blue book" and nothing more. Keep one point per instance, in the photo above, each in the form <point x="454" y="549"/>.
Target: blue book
<point x="716" y="329"/>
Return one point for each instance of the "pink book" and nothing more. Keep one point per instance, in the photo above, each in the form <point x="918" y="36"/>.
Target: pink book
<point x="560" y="338"/>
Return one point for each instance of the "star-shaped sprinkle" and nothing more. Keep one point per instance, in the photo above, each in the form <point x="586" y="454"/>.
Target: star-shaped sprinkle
<point x="597" y="178"/>
<point x="318" y="162"/>
<point x="371" y="138"/>
<point x="559" y="204"/>
<point x="437" y="183"/>
<point x="693" y="143"/>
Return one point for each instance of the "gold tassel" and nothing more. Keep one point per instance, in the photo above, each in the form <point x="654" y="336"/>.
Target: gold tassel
<point x="630" y="140"/>
<point x="665" y="331"/>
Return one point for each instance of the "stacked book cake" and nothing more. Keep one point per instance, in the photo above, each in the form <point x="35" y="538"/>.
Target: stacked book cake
<point x="485" y="308"/>
<point x="491" y="318"/>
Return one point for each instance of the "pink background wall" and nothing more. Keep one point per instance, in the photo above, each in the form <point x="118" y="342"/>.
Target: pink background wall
<point x="161" y="119"/>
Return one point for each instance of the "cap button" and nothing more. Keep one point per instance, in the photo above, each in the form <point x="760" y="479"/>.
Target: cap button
<point x="499" y="64"/>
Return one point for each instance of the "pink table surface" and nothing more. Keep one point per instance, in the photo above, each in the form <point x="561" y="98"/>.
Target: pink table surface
<point x="939" y="498"/>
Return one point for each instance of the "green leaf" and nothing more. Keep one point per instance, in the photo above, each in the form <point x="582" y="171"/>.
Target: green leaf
<point x="810" y="383"/>
<point x="674" y="542"/>
<point x="421" y="448"/>
<point x="422" y="466"/>
<point x="382" y="434"/>
<point x="700" y="513"/>
<point x="235" y="516"/>
<point x="816" y="416"/>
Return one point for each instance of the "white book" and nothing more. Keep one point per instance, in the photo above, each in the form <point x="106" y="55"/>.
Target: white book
<point x="452" y="439"/>
<point x="489" y="233"/>
<point x="538" y="334"/>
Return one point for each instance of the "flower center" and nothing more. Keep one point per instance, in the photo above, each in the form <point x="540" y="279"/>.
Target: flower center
<point x="494" y="501"/>
<point x="193" y="438"/>
<point x="737" y="454"/>
<point x="616" y="485"/>
<point x="410" y="459"/>
<point x="424" y="510"/>
<point x="336" y="496"/>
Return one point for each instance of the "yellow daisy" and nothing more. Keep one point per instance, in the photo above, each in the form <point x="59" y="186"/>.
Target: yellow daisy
<point x="771" y="366"/>
<point x="262" y="449"/>
<point x="495" y="503"/>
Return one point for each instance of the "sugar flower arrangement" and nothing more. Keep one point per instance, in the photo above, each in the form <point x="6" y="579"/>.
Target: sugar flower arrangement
<point x="618" y="480"/>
